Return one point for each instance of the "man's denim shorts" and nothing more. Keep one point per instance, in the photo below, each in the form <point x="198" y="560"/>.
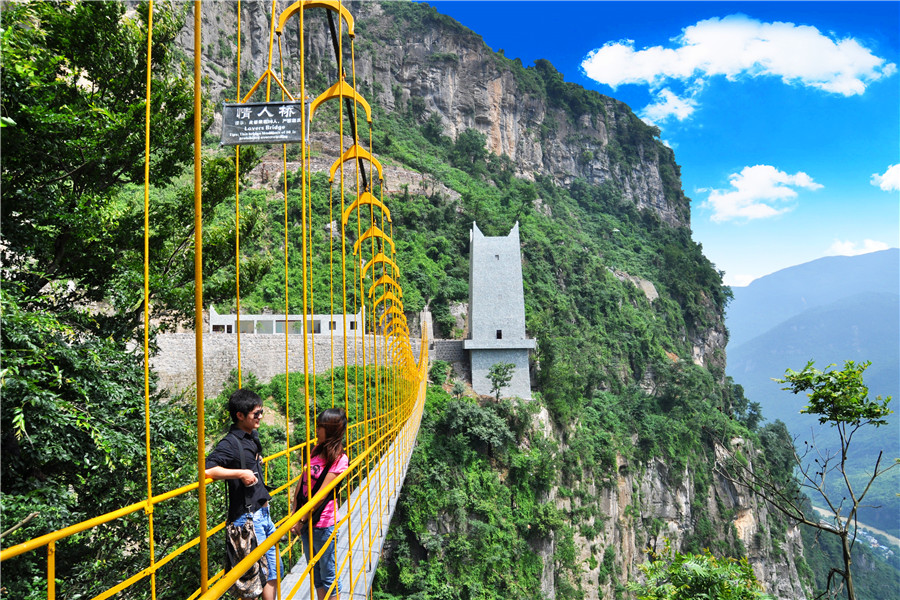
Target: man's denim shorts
<point x="324" y="569"/>
<point x="264" y="527"/>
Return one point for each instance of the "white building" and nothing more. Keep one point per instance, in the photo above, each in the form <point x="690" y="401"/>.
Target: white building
<point x="274" y="324"/>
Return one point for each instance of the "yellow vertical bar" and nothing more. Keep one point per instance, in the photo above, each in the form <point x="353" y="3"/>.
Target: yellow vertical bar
<point x="149" y="508"/>
<point x="271" y="47"/>
<point x="198" y="299"/>
<point x="340" y="63"/>
<point x="51" y="571"/>
<point x="303" y="186"/>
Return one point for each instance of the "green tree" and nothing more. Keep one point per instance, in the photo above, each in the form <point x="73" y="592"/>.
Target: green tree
<point x="840" y="398"/>
<point x="469" y="152"/>
<point x="500" y="374"/>
<point x="74" y="99"/>
<point x="72" y="415"/>
<point x="439" y="371"/>
<point x="72" y="425"/>
<point x="73" y="83"/>
<point x="674" y="576"/>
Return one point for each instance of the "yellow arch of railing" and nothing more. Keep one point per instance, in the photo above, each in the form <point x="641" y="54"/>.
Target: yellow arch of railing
<point x="374" y="232"/>
<point x="386" y="280"/>
<point x="365" y="198"/>
<point x="381" y="258"/>
<point x="355" y="152"/>
<point x="393" y="310"/>
<point x="388" y="296"/>
<point x="333" y="5"/>
<point x="339" y="91"/>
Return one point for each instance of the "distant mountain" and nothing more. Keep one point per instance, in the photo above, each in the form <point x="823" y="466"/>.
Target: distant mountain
<point x="861" y="327"/>
<point x="777" y="297"/>
<point x="830" y="311"/>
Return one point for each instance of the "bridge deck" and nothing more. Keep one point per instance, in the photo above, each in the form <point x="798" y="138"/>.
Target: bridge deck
<point x="381" y="493"/>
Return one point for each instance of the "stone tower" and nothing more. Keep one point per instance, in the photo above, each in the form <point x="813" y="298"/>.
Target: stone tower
<point x="497" y="311"/>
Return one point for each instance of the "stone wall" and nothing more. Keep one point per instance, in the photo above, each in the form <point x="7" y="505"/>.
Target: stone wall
<point x="452" y="351"/>
<point x="449" y="350"/>
<point x="262" y="355"/>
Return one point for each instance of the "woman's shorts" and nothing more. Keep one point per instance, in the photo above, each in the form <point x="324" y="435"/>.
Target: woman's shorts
<point x="324" y="569"/>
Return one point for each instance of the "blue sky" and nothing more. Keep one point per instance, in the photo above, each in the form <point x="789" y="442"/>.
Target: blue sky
<point x="784" y="116"/>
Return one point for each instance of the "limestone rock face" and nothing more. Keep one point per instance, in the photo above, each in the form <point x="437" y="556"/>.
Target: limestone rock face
<point x="435" y="66"/>
<point x="648" y="504"/>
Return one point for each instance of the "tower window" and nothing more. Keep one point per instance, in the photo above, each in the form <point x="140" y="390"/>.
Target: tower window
<point x="499" y="334"/>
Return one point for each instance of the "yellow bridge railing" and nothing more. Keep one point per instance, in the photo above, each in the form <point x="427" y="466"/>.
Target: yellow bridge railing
<point x="364" y="277"/>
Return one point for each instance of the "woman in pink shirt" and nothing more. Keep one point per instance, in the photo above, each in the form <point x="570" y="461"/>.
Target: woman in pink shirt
<point x="329" y="450"/>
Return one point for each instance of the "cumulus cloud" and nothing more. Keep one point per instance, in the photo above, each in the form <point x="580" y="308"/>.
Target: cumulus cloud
<point x="737" y="46"/>
<point x="757" y="192"/>
<point x="668" y="106"/>
<point x="848" y="248"/>
<point x="889" y="181"/>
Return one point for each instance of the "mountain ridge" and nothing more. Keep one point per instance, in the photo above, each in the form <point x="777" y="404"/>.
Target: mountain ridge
<point x="791" y="290"/>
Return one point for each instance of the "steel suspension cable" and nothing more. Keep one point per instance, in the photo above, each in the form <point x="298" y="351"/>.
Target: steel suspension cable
<point x="237" y="212"/>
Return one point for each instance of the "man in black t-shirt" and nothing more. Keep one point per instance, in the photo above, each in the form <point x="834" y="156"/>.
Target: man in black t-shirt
<point x="247" y="494"/>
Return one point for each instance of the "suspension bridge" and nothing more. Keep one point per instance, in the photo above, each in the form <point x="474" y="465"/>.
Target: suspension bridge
<point x="362" y="277"/>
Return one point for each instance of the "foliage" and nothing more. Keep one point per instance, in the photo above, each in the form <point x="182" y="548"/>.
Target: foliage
<point x="439" y="371"/>
<point x="840" y="398"/>
<point x="675" y="576"/>
<point x="78" y="139"/>
<point x="73" y="411"/>
<point x="500" y="374"/>
<point x="73" y="448"/>
<point x="459" y="529"/>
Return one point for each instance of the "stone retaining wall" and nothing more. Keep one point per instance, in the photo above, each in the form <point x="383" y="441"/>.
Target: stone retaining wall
<point x="262" y="355"/>
<point x="453" y="352"/>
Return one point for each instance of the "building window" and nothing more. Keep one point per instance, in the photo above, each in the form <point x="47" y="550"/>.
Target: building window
<point x="497" y="256"/>
<point x="352" y="325"/>
<point x="332" y="325"/>
<point x="499" y="334"/>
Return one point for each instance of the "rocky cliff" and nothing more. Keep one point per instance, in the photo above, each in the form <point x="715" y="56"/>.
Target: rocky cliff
<point x="646" y="503"/>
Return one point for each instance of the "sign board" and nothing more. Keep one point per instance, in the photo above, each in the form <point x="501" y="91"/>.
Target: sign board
<point x="261" y="123"/>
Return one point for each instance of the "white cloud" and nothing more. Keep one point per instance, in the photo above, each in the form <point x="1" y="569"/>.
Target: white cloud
<point x="667" y="106"/>
<point x="848" y="248"/>
<point x="737" y="46"/>
<point x="889" y="181"/>
<point x="757" y="192"/>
